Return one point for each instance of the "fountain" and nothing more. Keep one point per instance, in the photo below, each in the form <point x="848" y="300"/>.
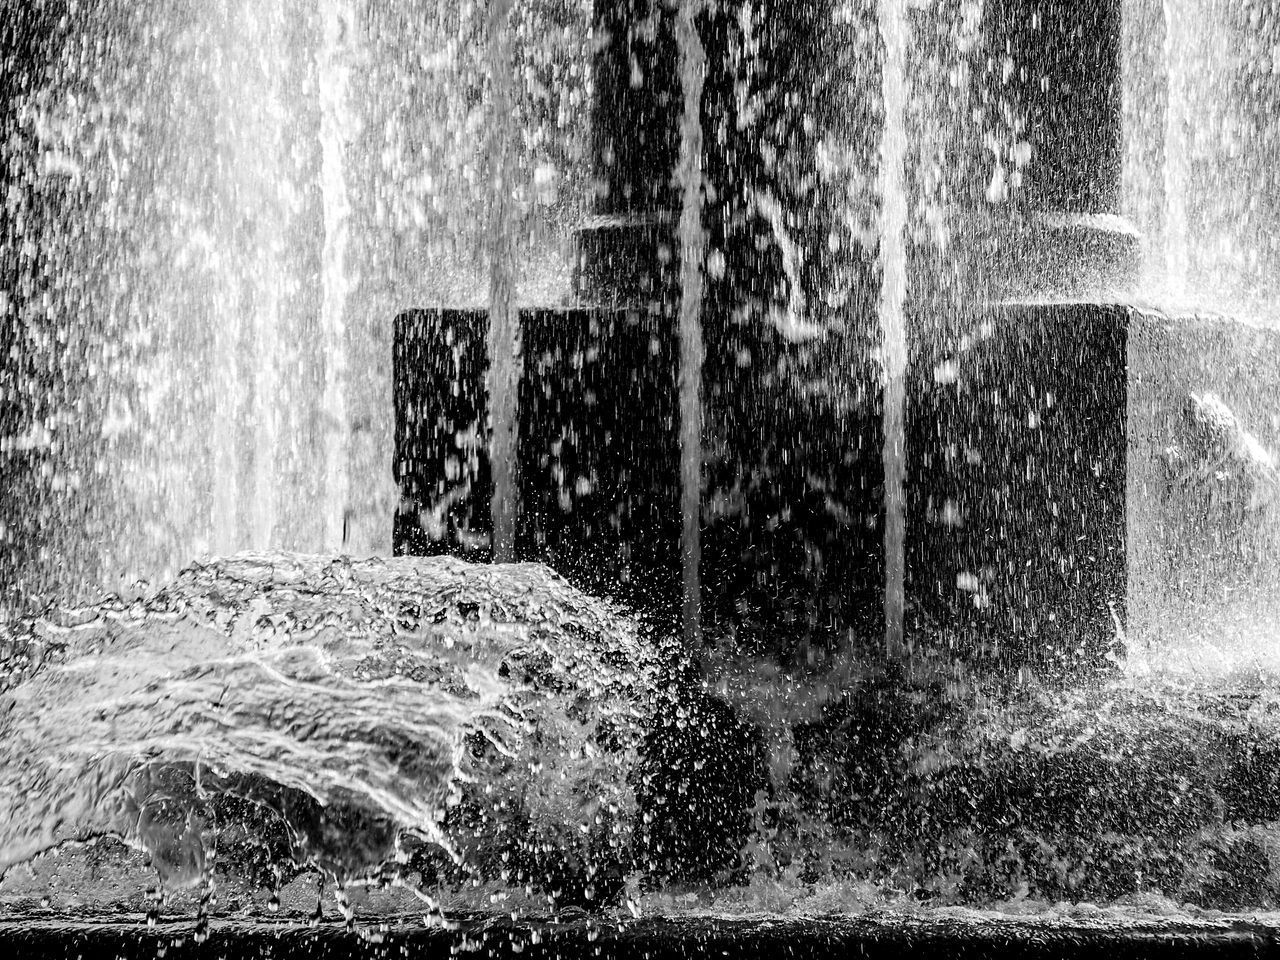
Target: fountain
<point x="818" y="488"/>
<point x="1060" y="242"/>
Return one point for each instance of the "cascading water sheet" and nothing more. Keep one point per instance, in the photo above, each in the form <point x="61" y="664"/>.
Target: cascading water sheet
<point x="1200" y="99"/>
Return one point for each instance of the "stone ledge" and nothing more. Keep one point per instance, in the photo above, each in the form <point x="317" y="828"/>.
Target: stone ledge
<point x="936" y="938"/>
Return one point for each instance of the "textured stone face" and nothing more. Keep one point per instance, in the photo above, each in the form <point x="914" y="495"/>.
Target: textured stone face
<point x="1018" y="481"/>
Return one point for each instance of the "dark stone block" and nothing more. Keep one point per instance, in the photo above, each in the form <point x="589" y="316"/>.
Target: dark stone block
<point x="1099" y="477"/>
<point x="790" y="540"/>
<point x="1042" y="512"/>
<point x="598" y="479"/>
<point x="627" y="262"/>
<point x="1017" y="475"/>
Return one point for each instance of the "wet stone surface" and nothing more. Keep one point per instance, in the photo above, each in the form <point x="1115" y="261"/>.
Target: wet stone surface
<point x="972" y="937"/>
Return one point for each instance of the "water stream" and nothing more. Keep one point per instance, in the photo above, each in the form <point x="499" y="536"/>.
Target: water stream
<point x="333" y="72"/>
<point x="894" y="31"/>
<point x="693" y="64"/>
<point x="1178" y="126"/>
<point x="1200" y="128"/>
<point x="504" y="320"/>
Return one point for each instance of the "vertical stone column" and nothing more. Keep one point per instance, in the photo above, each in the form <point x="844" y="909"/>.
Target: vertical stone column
<point x="1065" y="79"/>
<point x="635" y="116"/>
<point x="625" y="250"/>
<point x="1055" y="64"/>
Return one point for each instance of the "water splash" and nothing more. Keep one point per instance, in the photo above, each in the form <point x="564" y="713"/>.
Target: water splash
<point x="289" y="681"/>
<point x="1201" y="96"/>
<point x="221" y="208"/>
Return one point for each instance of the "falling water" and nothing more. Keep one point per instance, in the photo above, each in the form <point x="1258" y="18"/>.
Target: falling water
<point x="504" y="320"/>
<point x="892" y="311"/>
<point x="1202" y="91"/>
<point x="268" y="316"/>
<point x="693" y="60"/>
<point x="1177" y="145"/>
<point x="226" y="204"/>
<point x="1201" y="94"/>
<point x="226" y="415"/>
<point x="333" y="71"/>
<point x="305" y="173"/>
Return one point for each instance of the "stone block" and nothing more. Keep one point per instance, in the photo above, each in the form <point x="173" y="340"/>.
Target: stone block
<point x="597" y="464"/>
<point x="1084" y="479"/>
<point x="1017" y="480"/>
<point x="1203" y="500"/>
<point x="1095" y="479"/>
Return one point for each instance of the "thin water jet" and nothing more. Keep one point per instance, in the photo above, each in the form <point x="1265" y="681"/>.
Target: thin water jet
<point x="333" y="69"/>
<point x="892" y="305"/>
<point x="693" y="65"/>
<point x="504" y="327"/>
<point x="1178" y="126"/>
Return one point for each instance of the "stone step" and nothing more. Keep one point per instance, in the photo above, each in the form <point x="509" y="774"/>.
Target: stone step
<point x="696" y="938"/>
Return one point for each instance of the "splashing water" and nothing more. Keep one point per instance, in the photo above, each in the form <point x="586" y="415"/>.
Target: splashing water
<point x="353" y="685"/>
<point x="223" y="206"/>
<point x="1200" y="132"/>
<point x="261" y="228"/>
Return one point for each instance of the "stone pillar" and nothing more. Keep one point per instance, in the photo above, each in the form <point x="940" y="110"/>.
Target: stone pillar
<point x="1065" y="80"/>
<point x="1056" y="65"/>
<point x="635" y="137"/>
<point x="626" y="249"/>
<point x="765" y="516"/>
